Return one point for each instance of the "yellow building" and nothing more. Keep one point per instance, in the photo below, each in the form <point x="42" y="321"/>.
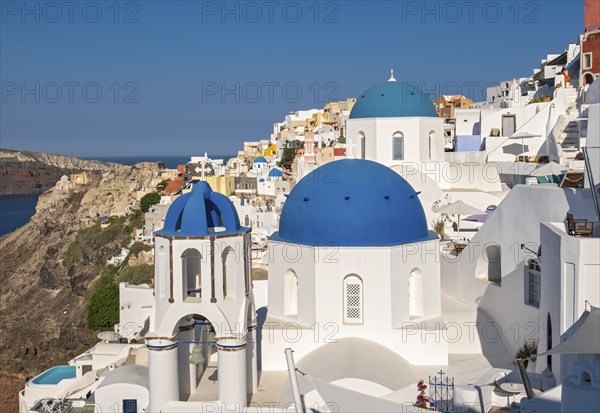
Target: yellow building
<point x="325" y="155"/>
<point x="224" y="184"/>
<point x="80" y="178"/>
<point x="271" y="150"/>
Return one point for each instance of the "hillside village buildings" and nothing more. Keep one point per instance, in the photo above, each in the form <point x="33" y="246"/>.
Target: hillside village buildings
<point x="388" y="259"/>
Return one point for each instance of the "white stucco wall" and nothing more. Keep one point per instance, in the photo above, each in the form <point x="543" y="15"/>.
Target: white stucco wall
<point x="384" y="272"/>
<point x="379" y="132"/>
<point x="516" y="221"/>
<point x="570" y="277"/>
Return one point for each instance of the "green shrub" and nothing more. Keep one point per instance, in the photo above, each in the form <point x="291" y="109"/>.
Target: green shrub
<point x="148" y="200"/>
<point x="287" y="158"/>
<point x="72" y="254"/>
<point x="139" y="247"/>
<point x="103" y="306"/>
<point x="138" y="274"/>
<point x="115" y="230"/>
<point x="136" y="219"/>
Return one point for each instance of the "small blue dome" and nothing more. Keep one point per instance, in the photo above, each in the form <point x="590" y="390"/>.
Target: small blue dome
<point x="260" y="159"/>
<point x="196" y="212"/>
<point x="353" y="202"/>
<point x="393" y="100"/>
<point x="274" y="173"/>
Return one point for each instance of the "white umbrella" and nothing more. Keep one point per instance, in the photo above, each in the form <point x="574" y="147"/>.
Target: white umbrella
<point x="551" y="168"/>
<point x="458" y="208"/>
<point x="523" y="136"/>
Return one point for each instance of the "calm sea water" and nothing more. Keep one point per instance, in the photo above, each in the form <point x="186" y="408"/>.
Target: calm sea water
<point x="170" y="162"/>
<point x="15" y="211"/>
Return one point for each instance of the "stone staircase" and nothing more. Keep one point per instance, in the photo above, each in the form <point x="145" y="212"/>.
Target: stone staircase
<point x="568" y="138"/>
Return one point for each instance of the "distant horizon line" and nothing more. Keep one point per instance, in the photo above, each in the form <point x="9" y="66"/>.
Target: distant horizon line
<point x="87" y="156"/>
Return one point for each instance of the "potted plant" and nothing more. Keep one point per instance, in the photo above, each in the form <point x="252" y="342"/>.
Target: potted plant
<point x="527" y="352"/>
<point x="439" y="224"/>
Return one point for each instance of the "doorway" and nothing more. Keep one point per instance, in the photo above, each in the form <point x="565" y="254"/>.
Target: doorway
<point x="509" y="125"/>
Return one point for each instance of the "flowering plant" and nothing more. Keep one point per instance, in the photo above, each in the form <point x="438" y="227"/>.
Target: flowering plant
<point x="422" y="399"/>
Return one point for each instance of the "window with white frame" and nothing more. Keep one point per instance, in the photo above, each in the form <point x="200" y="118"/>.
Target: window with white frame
<point x="398" y="146"/>
<point x="353" y="300"/>
<point x="587" y="61"/>
<point x="533" y="283"/>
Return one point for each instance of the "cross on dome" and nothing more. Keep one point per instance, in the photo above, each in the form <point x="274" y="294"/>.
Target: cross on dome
<point x="392" y="78"/>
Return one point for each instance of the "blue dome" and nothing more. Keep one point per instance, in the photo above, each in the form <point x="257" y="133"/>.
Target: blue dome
<point x="196" y="212"/>
<point x="273" y="173"/>
<point x="353" y="202"/>
<point x="393" y="100"/>
<point x="260" y="159"/>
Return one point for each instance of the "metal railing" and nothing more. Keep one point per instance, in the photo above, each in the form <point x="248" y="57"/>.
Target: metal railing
<point x="441" y="392"/>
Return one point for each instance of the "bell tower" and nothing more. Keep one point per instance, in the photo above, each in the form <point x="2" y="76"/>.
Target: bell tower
<point x="202" y="272"/>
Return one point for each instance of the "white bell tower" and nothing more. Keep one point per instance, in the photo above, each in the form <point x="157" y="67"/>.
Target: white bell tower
<point x="202" y="289"/>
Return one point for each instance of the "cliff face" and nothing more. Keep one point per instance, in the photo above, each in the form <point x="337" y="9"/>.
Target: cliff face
<point x="42" y="287"/>
<point x="31" y="173"/>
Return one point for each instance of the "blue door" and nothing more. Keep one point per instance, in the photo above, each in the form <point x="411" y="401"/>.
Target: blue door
<point x="130" y="406"/>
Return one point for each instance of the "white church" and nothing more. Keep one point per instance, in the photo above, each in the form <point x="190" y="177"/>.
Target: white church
<point x="358" y="286"/>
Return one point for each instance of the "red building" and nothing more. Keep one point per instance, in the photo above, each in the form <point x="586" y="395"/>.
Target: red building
<point x="590" y="42"/>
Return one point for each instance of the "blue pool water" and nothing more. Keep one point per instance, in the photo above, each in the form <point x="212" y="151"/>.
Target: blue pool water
<point x="56" y="374"/>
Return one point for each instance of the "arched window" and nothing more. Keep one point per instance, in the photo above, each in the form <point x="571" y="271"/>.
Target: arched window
<point x="489" y="264"/>
<point x="362" y="141"/>
<point x="228" y="262"/>
<point x="533" y="283"/>
<point x="493" y="255"/>
<point x="398" y="146"/>
<point x="191" y="261"/>
<point x="432" y="153"/>
<point x="416" y="296"/>
<point x="163" y="269"/>
<point x="353" y="299"/>
<point x="290" y="293"/>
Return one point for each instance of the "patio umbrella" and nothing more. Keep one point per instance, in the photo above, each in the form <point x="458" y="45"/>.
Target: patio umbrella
<point x="458" y="208"/>
<point x="477" y="218"/>
<point x="523" y="136"/>
<point x="551" y="168"/>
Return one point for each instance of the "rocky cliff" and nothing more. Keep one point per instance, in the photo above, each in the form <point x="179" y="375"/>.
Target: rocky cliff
<point x="47" y="266"/>
<point x="31" y="173"/>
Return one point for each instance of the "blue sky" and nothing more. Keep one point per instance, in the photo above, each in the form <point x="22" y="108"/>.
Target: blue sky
<point x="103" y="78"/>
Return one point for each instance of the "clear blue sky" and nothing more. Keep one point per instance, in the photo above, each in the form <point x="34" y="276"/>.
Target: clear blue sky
<point x="161" y="67"/>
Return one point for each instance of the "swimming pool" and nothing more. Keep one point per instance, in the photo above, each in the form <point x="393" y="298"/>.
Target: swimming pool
<point x="56" y="374"/>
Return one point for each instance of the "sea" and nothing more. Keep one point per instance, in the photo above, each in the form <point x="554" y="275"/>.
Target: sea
<point x="16" y="210"/>
<point x="170" y="162"/>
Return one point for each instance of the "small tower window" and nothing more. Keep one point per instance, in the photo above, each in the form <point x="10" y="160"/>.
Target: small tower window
<point x="290" y="298"/>
<point x="191" y="261"/>
<point x="229" y="272"/>
<point x="353" y="300"/>
<point x="432" y="153"/>
<point x="163" y="270"/>
<point x="363" y="145"/>
<point x="398" y="146"/>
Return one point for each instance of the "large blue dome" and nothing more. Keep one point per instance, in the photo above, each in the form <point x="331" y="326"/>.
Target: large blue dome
<point x="353" y="202"/>
<point x="198" y="212"/>
<point x="393" y="100"/>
